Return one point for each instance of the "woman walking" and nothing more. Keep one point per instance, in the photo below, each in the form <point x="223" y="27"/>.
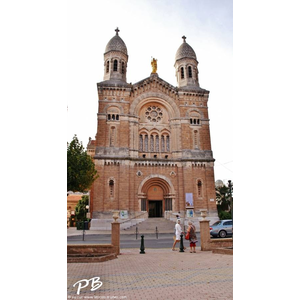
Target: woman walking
<point x="193" y="238"/>
<point x="178" y="232"/>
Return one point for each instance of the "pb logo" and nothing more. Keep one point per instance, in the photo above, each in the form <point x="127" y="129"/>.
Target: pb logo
<point x="95" y="284"/>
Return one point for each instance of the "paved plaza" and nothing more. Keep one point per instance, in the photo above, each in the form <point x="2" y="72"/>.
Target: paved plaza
<point x="157" y="274"/>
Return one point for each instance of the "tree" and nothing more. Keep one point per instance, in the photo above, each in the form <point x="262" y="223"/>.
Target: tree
<point x="223" y="198"/>
<point x="80" y="209"/>
<point x="81" y="168"/>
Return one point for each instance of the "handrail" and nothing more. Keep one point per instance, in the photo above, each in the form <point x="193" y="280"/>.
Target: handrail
<point x="170" y="214"/>
<point x="135" y="217"/>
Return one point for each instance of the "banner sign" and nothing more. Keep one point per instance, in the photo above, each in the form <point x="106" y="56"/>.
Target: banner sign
<point x="189" y="199"/>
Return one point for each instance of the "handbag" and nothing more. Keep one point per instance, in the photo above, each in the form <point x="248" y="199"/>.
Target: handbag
<point x="187" y="237"/>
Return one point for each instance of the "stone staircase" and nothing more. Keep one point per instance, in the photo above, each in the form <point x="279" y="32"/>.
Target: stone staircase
<point x="149" y="226"/>
<point x="163" y="225"/>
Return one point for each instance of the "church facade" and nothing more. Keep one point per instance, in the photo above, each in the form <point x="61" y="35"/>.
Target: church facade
<point x="152" y="148"/>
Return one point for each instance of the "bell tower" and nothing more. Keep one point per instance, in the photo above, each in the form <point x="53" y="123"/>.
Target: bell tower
<point x="186" y="66"/>
<point x="115" y="59"/>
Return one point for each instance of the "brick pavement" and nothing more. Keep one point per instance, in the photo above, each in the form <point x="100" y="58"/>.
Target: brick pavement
<point x="158" y="274"/>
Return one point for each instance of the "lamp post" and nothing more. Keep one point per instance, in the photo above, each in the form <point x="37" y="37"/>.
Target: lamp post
<point x="86" y="215"/>
<point x="230" y="186"/>
<point x="87" y="212"/>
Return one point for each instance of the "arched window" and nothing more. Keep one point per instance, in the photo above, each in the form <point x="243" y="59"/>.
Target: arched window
<point x="115" y="65"/>
<point x="151" y="143"/>
<point x="156" y="143"/>
<point x="168" y="143"/>
<point x="112" y="136"/>
<point x="199" y="187"/>
<point x="182" y="72"/>
<point x="107" y="67"/>
<point x="141" y="143"/>
<point x="146" y="143"/>
<point x="123" y="68"/>
<point x="190" y="71"/>
<point x="111" y="188"/>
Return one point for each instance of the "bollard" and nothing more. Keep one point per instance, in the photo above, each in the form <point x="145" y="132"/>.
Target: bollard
<point x="156" y="231"/>
<point x="83" y="231"/>
<point x="136" y="233"/>
<point x="142" y="245"/>
<point x="181" y="243"/>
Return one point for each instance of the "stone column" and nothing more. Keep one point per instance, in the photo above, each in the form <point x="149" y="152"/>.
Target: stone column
<point x="115" y="236"/>
<point x="204" y="235"/>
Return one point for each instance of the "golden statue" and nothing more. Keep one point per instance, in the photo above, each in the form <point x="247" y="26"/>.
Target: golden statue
<point x="154" y="65"/>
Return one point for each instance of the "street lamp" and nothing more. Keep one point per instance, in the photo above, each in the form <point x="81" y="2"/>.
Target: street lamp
<point x="85" y="222"/>
<point x="230" y="186"/>
<point x="87" y="212"/>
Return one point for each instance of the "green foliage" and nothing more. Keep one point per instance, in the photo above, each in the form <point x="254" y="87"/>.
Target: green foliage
<point x="224" y="215"/>
<point x="224" y="197"/>
<point x="80" y="209"/>
<point x="81" y="168"/>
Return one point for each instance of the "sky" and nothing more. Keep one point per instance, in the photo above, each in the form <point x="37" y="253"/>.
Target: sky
<point x="152" y="29"/>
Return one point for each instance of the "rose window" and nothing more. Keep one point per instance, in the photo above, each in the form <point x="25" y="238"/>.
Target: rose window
<point x="153" y="114"/>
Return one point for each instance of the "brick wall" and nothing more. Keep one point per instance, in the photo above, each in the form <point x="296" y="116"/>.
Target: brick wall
<point x="118" y="162"/>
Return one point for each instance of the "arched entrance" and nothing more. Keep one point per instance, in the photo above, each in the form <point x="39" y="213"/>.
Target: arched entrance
<point x="156" y="196"/>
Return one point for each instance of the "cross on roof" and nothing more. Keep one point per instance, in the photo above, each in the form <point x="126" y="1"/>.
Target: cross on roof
<point x="184" y="37"/>
<point x="117" y="31"/>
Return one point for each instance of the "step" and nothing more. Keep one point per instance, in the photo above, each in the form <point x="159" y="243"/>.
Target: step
<point x="150" y="224"/>
<point x="88" y="258"/>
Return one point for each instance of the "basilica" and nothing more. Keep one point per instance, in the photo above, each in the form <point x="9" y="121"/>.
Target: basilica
<point x="152" y="148"/>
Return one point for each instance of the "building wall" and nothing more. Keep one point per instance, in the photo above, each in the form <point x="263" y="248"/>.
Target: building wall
<point x="128" y="177"/>
<point x="152" y="139"/>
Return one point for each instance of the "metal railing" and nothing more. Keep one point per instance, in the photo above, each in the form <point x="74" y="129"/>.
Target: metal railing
<point x="145" y="214"/>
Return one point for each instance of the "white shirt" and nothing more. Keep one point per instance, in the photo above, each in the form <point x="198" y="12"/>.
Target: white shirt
<point x="178" y="231"/>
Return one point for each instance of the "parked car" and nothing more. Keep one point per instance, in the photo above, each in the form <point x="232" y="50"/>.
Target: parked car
<point x="222" y="228"/>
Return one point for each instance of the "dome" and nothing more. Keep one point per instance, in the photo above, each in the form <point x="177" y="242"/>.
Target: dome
<point x="116" y="44"/>
<point x="185" y="51"/>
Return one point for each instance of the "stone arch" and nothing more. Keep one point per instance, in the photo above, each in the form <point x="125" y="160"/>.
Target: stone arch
<point x="156" y="194"/>
<point x="191" y="110"/>
<point x="160" y="98"/>
<point x="156" y="179"/>
<point x="113" y="105"/>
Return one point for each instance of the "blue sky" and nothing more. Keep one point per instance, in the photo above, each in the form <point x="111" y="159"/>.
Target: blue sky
<point x="152" y="29"/>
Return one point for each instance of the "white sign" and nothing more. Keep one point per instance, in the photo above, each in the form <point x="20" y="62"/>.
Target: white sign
<point x="212" y="200"/>
<point x="189" y="213"/>
<point x="124" y="214"/>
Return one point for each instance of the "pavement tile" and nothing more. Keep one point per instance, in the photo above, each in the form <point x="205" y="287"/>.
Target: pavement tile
<point x="158" y="274"/>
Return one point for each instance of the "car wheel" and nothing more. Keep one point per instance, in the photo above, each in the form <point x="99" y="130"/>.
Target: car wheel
<point x="222" y="233"/>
